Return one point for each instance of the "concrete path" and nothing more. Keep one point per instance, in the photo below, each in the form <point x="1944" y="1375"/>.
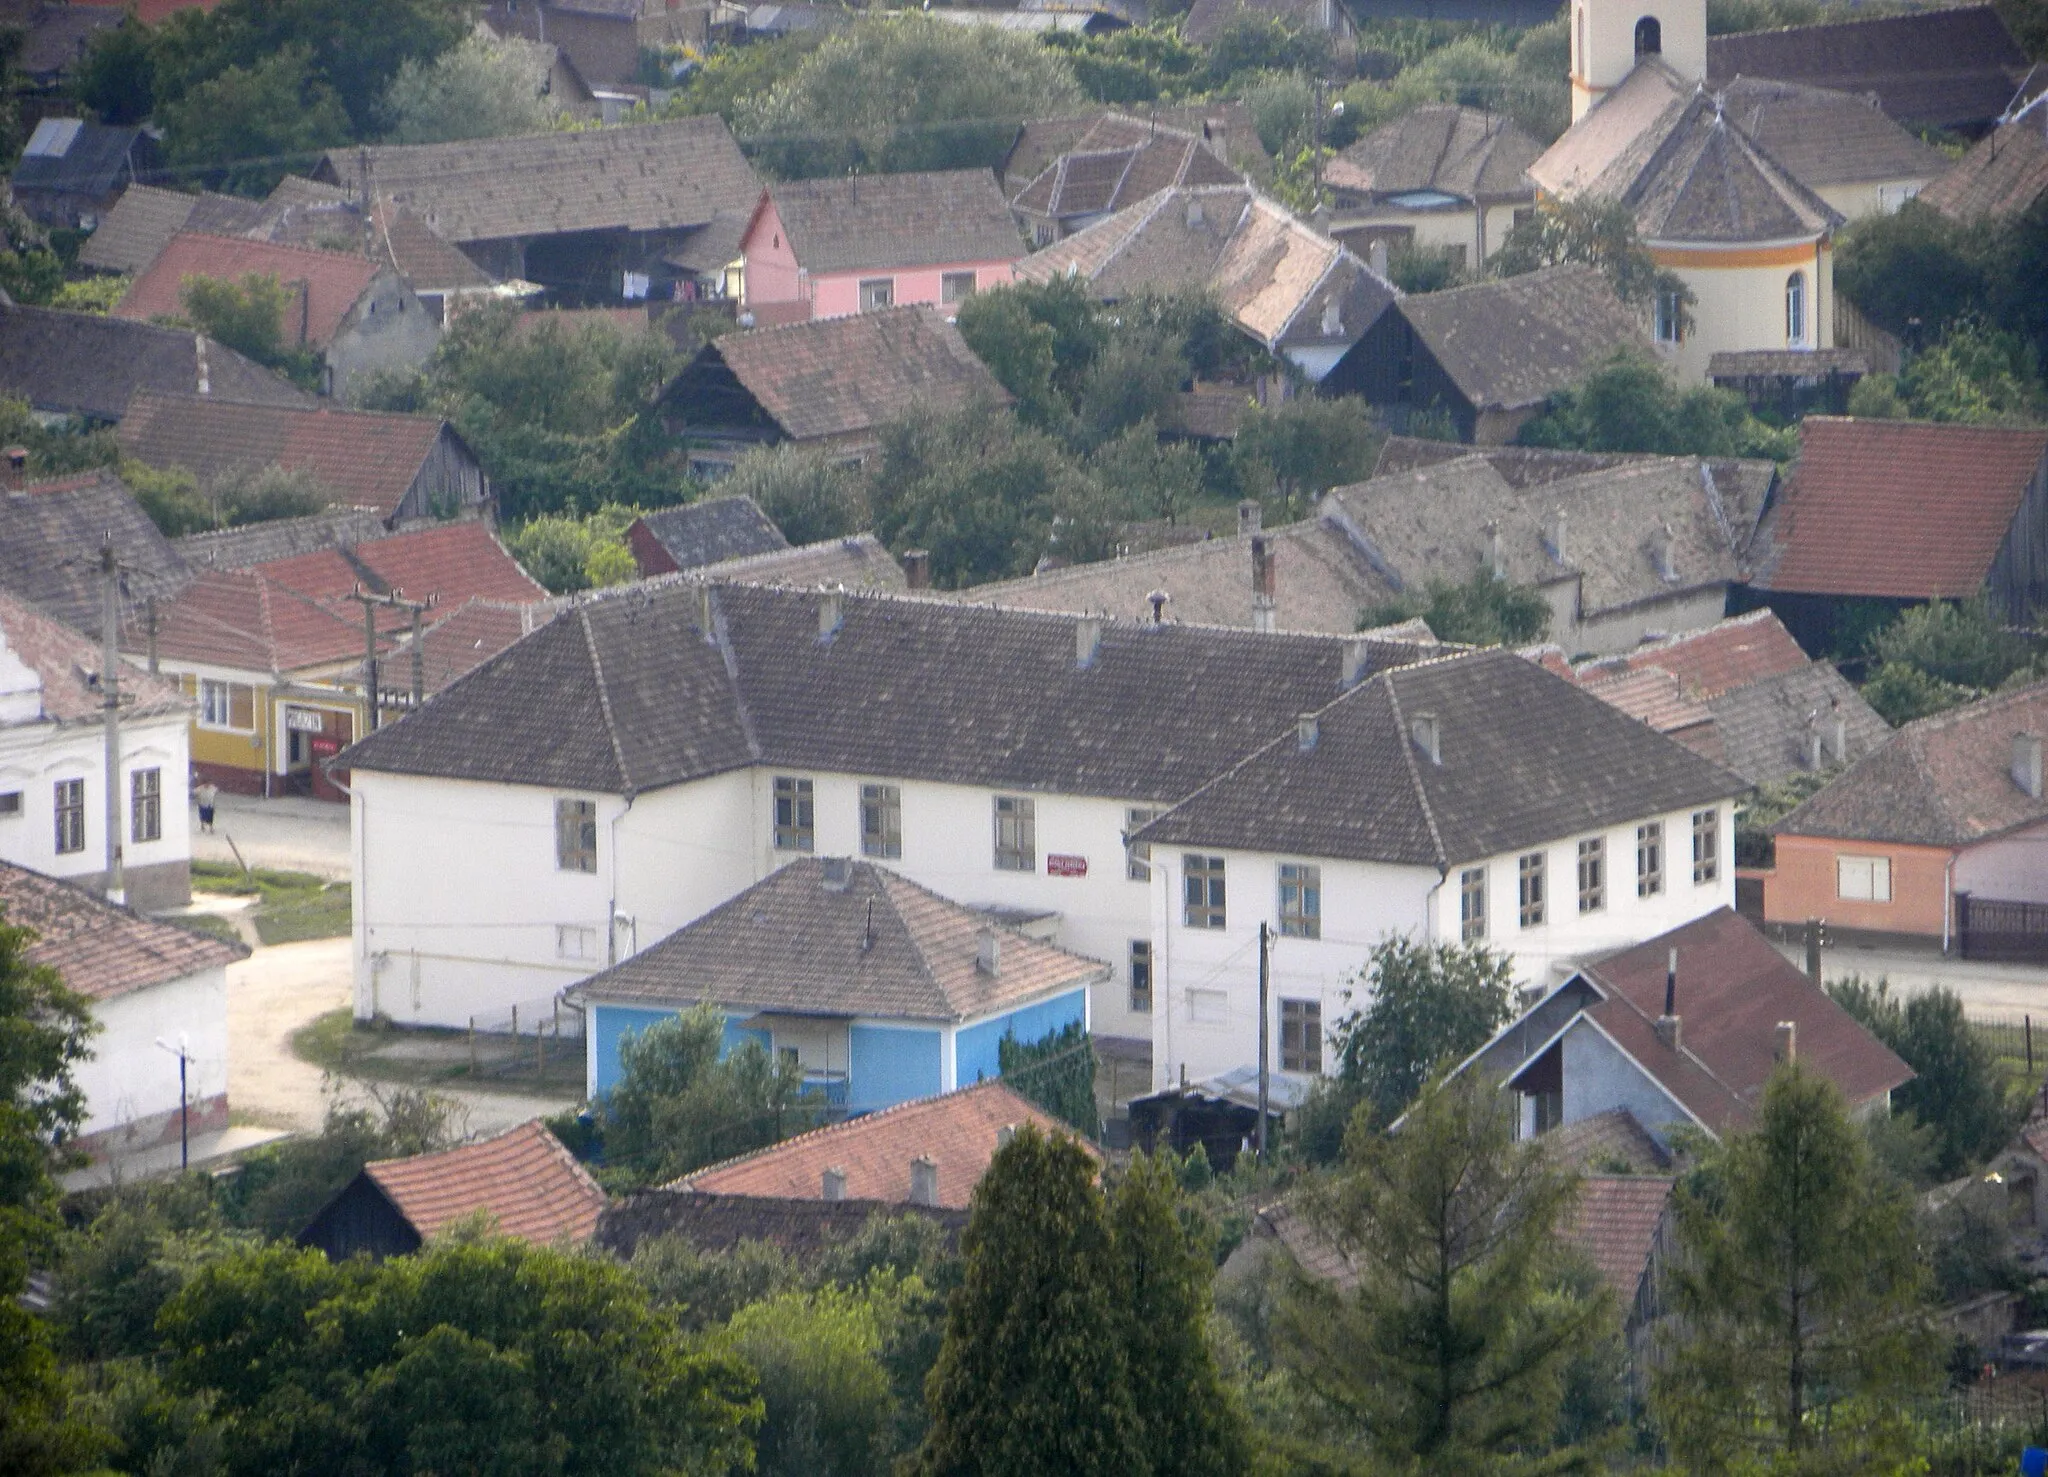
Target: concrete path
<point x="162" y="1159"/>
<point x="2001" y="992"/>
<point x="274" y="992"/>
<point x="293" y="834"/>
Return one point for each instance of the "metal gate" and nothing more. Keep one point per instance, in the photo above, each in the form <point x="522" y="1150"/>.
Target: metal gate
<point x="1991" y="928"/>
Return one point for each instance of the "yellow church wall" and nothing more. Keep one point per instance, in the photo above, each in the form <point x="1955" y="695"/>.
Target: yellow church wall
<point x="1741" y="300"/>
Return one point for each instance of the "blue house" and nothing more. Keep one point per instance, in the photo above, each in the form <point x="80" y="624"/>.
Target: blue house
<point x="881" y="990"/>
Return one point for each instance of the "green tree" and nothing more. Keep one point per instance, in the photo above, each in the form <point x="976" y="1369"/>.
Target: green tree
<point x="247" y="127"/>
<point x="680" y="1103"/>
<point x="1798" y="1287"/>
<point x="1599" y="233"/>
<point x="1032" y="1376"/>
<point x="1630" y="403"/>
<point x="809" y="495"/>
<point x="906" y="93"/>
<point x="700" y="1288"/>
<point x="1191" y="1423"/>
<point x="568" y="554"/>
<point x="1431" y="1003"/>
<point x="1451" y="1354"/>
<point x="1910" y="271"/>
<point x="117" y="80"/>
<point x="1903" y="693"/>
<point x="249" y="317"/>
<point x="279" y="1189"/>
<point x="1974" y="376"/>
<point x="1156" y="479"/>
<point x="485" y="87"/>
<point x="1252" y="42"/>
<point x="1958" y="1089"/>
<point x="1957" y="641"/>
<point x="1483" y="611"/>
<point x="1301" y="448"/>
<point x="1057" y="1072"/>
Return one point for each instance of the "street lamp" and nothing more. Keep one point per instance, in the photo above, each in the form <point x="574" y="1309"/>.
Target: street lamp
<point x="182" y="1051"/>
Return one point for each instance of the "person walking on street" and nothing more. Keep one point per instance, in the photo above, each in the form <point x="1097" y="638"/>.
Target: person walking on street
<point x="206" y="792"/>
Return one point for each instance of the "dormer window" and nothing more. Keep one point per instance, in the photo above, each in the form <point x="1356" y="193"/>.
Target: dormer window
<point x="1649" y="37"/>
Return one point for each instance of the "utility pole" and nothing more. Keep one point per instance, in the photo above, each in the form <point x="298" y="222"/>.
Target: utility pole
<point x="110" y="704"/>
<point x="1265" y="1030"/>
<point x="395" y="600"/>
<point x="149" y="617"/>
<point x="183" y="1052"/>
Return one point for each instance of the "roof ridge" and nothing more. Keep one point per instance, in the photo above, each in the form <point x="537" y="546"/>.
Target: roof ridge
<point x="845" y="1125"/>
<point x="604" y="703"/>
<point x="284" y="246"/>
<point x="1681" y="1050"/>
<point x="730" y="660"/>
<point x="883" y="878"/>
<point x="1436" y="835"/>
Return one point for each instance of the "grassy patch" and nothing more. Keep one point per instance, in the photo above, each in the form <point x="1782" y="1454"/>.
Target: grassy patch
<point x="290" y="905"/>
<point x="431" y="1057"/>
<point x="210" y="924"/>
<point x="325" y="1041"/>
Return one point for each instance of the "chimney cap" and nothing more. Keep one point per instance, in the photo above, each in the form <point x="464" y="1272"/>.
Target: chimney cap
<point x="1307" y="731"/>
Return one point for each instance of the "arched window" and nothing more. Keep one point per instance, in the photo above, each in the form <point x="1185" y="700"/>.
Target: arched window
<point x="1795" y="310"/>
<point x="1649" y="36"/>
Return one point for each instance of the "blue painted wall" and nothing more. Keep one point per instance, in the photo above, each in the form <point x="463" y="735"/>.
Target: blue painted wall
<point x="611" y="1024"/>
<point x="976" y="1048"/>
<point x="892" y="1066"/>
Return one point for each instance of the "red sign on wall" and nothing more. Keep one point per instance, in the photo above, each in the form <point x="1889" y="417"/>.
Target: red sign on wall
<point x="1066" y="866"/>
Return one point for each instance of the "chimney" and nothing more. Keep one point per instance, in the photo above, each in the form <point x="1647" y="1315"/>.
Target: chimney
<point x="831" y="613"/>
<point x="1667" y="1026"/>
<point x="836" y="873"/>
<point x="1428" y="737"/>
<point x="988" y="952"/>
<point x="1841" y="731"/>
<point x="1306" y="732"/>
<point x="2026" y="763"/>
<point x="917" y="569"/>
<point x="835" y="1183"/>
<point x="924" y="1181"/>
<point x="1557" y="537"/>
<point x="1265" y="615"/>
<point x="199" y="360"/>
<point x="17" y="466"/>
<point x="1004" y="1134"/>
<point x="1195" y="217"/>
<point x="1816" y="755"/>
<point x="1357" y="659"/>
<point x="1376" y="257"/>
<point x="1495" y="562"/>
<point x="704" y="616"/>
<point x="1087" y="640"/>
<point x="1667" y="555"/>
<point x="1786" y="1047"/>
<point x="1157" y="599"/>
<point x="1250" y="516"/>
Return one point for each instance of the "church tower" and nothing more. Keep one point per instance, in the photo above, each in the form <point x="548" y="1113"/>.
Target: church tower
<point x="1610" y="36"/>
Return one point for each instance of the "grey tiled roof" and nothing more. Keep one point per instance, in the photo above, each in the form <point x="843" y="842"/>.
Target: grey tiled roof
<point x="50" y="534"/>
<point x="1763" y="727"/>
<point x="639" y="698"/>
<point x="897" y="220"/>
<point x="1465" y="152"/>
<point x="832" y="937"/>
<point x="1826" y="137"/>
<point x="715" y="529"/>
<point x="92" y="165"/>
<point x="280" y="538"/>
<point x="1527" y="757"/>
<point x="641" y="177"/>
<point x="145" y="218"/>
<point x="89" y="364"/>
<point x="1515" y="342"/>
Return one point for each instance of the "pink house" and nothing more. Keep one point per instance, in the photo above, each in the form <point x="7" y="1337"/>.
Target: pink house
<point x="829" y="247"/>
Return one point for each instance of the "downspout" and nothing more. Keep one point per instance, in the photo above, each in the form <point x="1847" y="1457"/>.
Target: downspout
<point x="1948" y="901"/>
<point x="611" y="912"/>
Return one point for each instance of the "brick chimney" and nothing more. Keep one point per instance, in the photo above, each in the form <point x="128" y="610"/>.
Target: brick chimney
<point x="834" y="1187"/>
<point x="917" y="569"/>
<point x="1785" y="1048"/>
<point x="2026" y="763"/>
<point x="1087" y="640"/>
<point x="831" y="613"/>
<point x="1429" y="737"/>
<point x="1250" y="517"/>
<point x="988" y="952"/>
<point x="1667" y="1026"/>
<point x="1265" y="604"/>
<point x="1306" y="732"/>
<point x="924" y="1181"/>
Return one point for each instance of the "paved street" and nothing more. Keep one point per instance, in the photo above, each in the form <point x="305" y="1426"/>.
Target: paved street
<point x="1988" y="991"/>
<point x="292" y="834"/>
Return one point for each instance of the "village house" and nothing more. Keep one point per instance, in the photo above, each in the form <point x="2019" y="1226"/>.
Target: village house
<point x="826" y="384"/>
<point x="1645" y="547"/>
<point x="51" y="534"/>
<point x="71" y="171"/>
<point x="1904" y="511"/>
<point x="148" y="983"/>
<point x="1683" y="1031"/>
<point x="698" y="737"/>
<point x="2004" y="172"/>
<point x="1226" y="127"/>
<point x="87" y="366"/>
<point x="357" y="316"/>
<point x="520" y="1183"/>
<point x="1841" y="145"/>
<point x="1487" y="355"/>
<point x="1934" y="838"/>
<point x="1119" y="161"/>
<point x="628" y="213"/>
<point x="53" y="765"/>
<point x="1294" y="291"/>
<point x="135" y="229"/>
<point x="403" y="468"/>
<point x="271" y="652"/>
<point x="1441" y="178"/>
<point x="1473" y="798"/>
<point x="1955" y="67"/>
<point x="1740" y="692"/>
<point x="880" y="991"/>
<point x="826" y="248"/>
<point x="700" y="533"/>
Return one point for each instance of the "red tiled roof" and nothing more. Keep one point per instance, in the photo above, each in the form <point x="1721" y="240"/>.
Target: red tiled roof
<point x="333" y="281"/>
<point x="2004" y="173"/>
<point x="1733" y="989"/>
<point x="530" y="1185"/>
<point x="1651" y="694"/>
<point x="240" y="619"/>
<point x="1902" y="509"/>
<point x="957" y="1130"/>
<point x="101" y="950"/>
<point x="1615" y="1223"/>
<point x="66" y="658"/>
<point x="451" y="562"/>
<point x="472" y="633"/>
<point x="1729" y="654"/>
<point x="368" y="459"/>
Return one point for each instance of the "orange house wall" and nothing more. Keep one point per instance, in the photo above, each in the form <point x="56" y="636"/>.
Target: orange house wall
<point x="1803" y="886"/>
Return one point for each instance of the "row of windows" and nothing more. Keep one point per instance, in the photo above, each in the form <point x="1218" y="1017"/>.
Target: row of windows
<point x="1203" y="888"/>
<point x="145" y="809"/>
<point x="1532" y="900"/>
<point x="877" y="293"/>
<point x="1670" y="315"/>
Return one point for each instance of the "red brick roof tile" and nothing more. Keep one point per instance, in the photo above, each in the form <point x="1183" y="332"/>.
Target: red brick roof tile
<point x="1906" y="510"/>
<point x="101" y="950"/>
<point x="529" y="1185"/>
<point x="1729" y="654"/>
<point x="957" y="1130"/>
<point x="1615" y="1223"/>
<point x="333" y="280"/>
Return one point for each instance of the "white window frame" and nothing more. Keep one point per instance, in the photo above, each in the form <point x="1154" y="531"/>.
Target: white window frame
<point x="1650" y="859"/>
<point x="67" y="798"/>
<point x="217" y="705"/>
<point x="1472" y="904"/>
<point x="145" y="805"/>
<point x="883" y="806"/>
<point x="1798" y="312"/>
<point x="877" y="293"/>
<point x="1863" y="879"/>
<point x="1016" y="833"/>
<point x="1706" y="847"/>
